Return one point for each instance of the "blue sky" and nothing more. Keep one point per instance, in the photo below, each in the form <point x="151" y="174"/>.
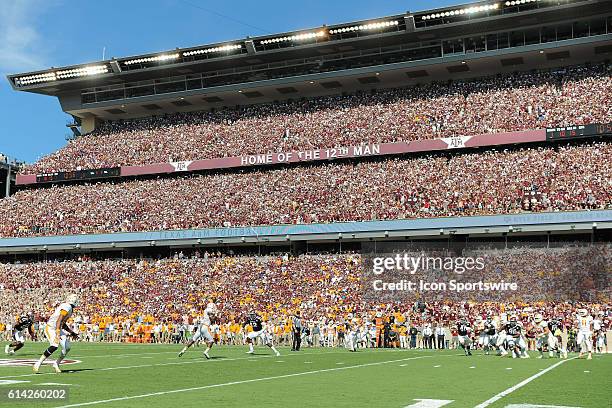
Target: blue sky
<point x="38" y="34"/>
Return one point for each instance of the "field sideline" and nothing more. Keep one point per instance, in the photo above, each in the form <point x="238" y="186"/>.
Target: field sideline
<point x="129" y="375"/>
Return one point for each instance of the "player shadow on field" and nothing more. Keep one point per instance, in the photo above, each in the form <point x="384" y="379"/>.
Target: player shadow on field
<point x="20" y="355"/>
<point x="78" y="370"/>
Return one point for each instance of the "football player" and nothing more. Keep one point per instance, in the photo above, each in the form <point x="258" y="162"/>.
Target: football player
<point x="585" y="333"/>
<point x="514" y="338"/>
<point x="24" y="323"/>
<point x="464" y="330"/>
<point x="600" y="334"/>
<point x="541" y="334"/>
<point x="58" y="332"/>
<point x="479" y="331"/>
<point x="555" y="341"/>
<point x="352" y="330"/>
<point x="258" y="331"/>
<point x="203" y="332"/>
<point x="502" y="336"/>
<point x="489" y="335"/>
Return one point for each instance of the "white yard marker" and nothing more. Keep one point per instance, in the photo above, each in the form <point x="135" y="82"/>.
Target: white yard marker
<point x="520" y="385"/>
<point x="429" y="403"/>
<point x="54" y="383"/>
<point x="9" y="382"/>
<point x="204" y="387"/>
<point x="436" y="366"/>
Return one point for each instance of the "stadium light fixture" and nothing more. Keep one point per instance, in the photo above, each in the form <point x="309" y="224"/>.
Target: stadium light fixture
<point x="296" y="37"/>
<point x="157" y="58"/>
<point x="519" y="2"/>
<point x="370" y="26"/>
<point x="83" y="71"/>
<point x="223" y="48"/>
<point x="468" y="10"/>
<point x="34" y="79"/>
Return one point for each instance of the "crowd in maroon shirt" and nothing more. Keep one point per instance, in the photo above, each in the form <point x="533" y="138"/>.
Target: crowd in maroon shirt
<point x="508" y="102"/>
<point x="493" y="182"/>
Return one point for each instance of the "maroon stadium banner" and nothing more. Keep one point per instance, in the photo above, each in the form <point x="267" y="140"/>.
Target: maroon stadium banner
<point x="326" y="154"/>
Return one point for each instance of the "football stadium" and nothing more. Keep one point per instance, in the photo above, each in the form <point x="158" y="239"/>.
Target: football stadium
<point x="411" y="210"/>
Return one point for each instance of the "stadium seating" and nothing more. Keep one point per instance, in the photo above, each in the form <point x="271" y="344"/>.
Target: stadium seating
<point x="493" y="182"/>
<point x="322" y="287"/>
<point x="518" y="101"/>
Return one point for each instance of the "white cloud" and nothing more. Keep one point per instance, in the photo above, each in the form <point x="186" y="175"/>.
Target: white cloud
<point x="22" y="47"/>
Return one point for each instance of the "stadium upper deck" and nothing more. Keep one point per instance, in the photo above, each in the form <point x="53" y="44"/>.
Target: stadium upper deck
<point x="449" y="43"/>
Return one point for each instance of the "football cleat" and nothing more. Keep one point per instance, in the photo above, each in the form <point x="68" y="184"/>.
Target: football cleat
<point x="590" y="357"/>
<point x="250" y="352"/>
<point x="56" y="367"/>
<point x="7" y="349"/>
<point x="206" y="355"/>
<point x="36" y="367"/>
<point x="181" y="353"/>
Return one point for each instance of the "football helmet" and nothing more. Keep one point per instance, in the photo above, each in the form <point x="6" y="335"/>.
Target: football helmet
<point x="73" y="299"/>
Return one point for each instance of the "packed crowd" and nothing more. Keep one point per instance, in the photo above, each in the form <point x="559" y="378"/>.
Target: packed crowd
<point x="162" y="299"/>
<point x="494" y="182"/>
<point x="509" y="102"/>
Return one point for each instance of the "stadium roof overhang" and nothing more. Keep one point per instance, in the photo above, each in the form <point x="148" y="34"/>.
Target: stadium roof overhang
<point x="67" y="82"/>
<point x="516" y="225"/>
<point x="394" y="75"/>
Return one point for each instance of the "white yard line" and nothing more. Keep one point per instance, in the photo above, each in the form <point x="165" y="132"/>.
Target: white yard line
<point x="521" y="384"/>
<point x="153" y="394"/>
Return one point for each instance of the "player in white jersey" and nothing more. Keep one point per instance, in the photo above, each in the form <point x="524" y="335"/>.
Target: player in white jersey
<point x="352" y="333"/>
<point x="58" y="332"/>
<point x="600" y="334"/>
<point x="203" y="331"/>
<point x="585" y="333"/>
<point x="541" y="334"/>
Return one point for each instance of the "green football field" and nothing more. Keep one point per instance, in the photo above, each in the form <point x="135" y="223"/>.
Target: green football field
<point x="129" y="375"/>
